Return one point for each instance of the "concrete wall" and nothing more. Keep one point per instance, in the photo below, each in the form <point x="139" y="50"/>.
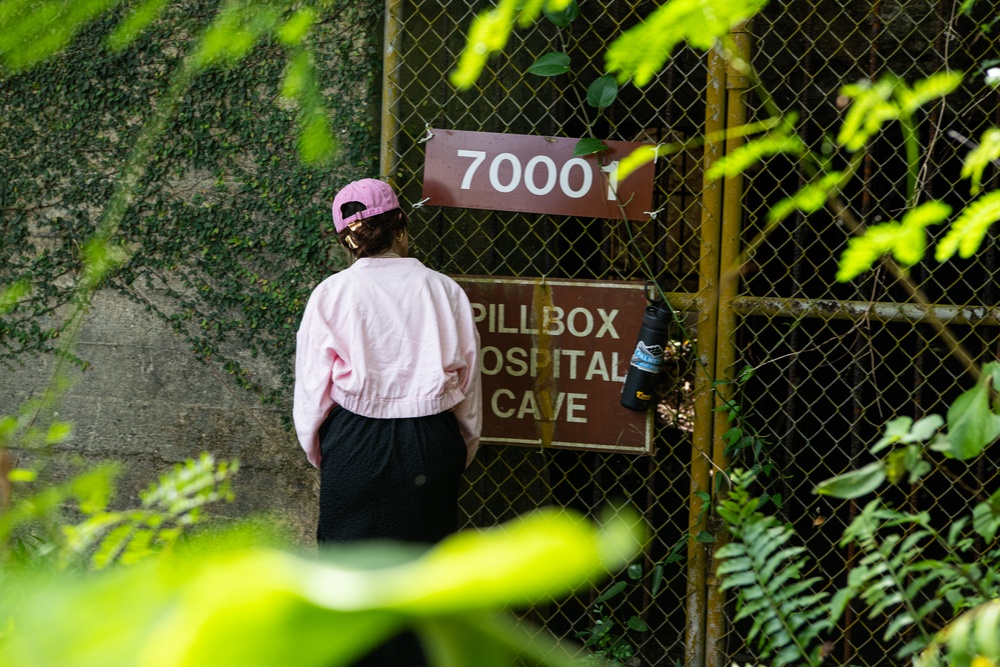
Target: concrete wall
<point x="148" y="403"/>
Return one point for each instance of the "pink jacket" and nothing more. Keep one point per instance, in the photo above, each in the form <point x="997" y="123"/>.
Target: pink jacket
<point x="387" y="338"/>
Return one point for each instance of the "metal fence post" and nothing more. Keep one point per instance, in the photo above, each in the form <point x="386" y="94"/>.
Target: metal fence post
<point x="701" y="450"/>
<point x="725" y="356"/>
<point x="391" y="91"/>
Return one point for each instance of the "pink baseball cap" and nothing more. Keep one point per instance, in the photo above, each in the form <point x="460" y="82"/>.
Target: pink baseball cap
<point x="376" y="195"/>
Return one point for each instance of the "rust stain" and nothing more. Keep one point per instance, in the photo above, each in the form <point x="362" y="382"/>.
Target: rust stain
<point x="545" y="381"/>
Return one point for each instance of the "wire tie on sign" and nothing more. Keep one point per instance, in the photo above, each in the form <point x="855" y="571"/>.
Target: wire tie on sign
<point x="420" y="204"/>
<point x="428" y="136"/>
<point x="656" y="152"/>
<point x="653" y="214"/>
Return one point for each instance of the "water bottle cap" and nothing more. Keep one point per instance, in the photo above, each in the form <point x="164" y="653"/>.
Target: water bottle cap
<point x="661" y="312"/>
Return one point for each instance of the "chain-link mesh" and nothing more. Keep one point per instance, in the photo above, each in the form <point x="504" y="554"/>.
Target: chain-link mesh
<point x="830" y="374"/>
<point x="832" y="362"/>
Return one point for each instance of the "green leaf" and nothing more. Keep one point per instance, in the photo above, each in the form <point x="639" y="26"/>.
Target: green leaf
<point x="986" y="632"/>
<point x="489" y="33"/>
<point x="589" y="147"/>
<point x="12" y="295"/>
<point x="732" y="560"/>
<point x="602" y="92"/>
<point x="94" y="488"/>
<point x="928" y="213"/>
<point x="924" y="429"/>
<point x="855" y="483"/>
<point x="838" y="605"/>
<point x="611" y="592"/>
<point x="233" y="33"/>
<point x="216" y="604"/>
<point x="530" y="10"/>
<point x="895" y="429"/>
<point x="565" y="16"/>
<point x="451" y="643"/>
<point x="812" y="197"/>
<point x="992" y="370"/>
<point x="870" y="110"/>
<point x="905" y="240"/>
<point x="637" y="624"/>
<point x="896" y="465"/>
<point x="551" y="64"/>
<point x="969" y="229"/>
<point x="863" y="251"/>
<point x="298" y="76"/>
<point x="135" y="23"/>
<point x="140" y="546"/>
<point x="292" y="31"/>
<point x="100" y="257"/>
<point x="316" y="143"/>
<point x="58" y="432"/>
<point x="981" y="157"/>
<point x="705" y="537"/>
<point x="22" y="475"/>
<point x="986" y="517"/>
<point x="112" y="545"/>
<point x="927" y="90"/>
<point x="642" y="51"/>
<point x="657" y="579"/>
<point x="972" y="424"/>
<point x="42" y="29"/>
<point x="753" y="152"/>
<point x="643" y="155"/>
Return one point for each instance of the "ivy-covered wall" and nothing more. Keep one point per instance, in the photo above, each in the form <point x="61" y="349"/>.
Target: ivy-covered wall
<point x="224" y="236"/>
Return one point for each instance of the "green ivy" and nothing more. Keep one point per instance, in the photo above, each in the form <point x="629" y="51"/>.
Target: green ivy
<point x="222" y="239"/>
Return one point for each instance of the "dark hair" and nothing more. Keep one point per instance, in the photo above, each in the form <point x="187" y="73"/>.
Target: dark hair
<point x="374" y="235"/>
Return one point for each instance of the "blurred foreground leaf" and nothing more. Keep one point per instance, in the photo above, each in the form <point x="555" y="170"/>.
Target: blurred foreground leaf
<point x="219" y="605"/>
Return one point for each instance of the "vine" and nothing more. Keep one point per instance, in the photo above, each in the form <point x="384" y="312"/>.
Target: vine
<point x="221" y="237"/>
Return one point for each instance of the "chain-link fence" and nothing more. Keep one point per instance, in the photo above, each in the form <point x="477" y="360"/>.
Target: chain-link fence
<point x="831" y="362"/>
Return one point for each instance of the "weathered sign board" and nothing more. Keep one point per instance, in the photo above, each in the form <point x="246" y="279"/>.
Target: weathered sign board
<point x="533" y="174"/>
<point x="554" y="358"/>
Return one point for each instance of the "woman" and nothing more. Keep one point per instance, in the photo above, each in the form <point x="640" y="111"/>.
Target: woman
<point x="387" y="389"/>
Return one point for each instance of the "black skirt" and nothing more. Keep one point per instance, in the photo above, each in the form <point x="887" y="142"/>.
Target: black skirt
<point x="389" y="479"/>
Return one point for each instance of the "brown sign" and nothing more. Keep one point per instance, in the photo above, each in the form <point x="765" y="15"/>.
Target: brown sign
<point x="554" y="358"/>
<point x="515" y="172"/>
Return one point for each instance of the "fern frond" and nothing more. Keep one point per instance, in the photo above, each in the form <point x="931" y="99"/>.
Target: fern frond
<point x="892" y="576"/>
<point x="169" y="507"/>
<point x="762" y="565"/>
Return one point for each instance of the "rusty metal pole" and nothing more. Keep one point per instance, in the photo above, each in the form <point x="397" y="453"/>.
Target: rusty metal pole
<point x="737" y="84"/>
<point x="391" y="92"/>
<point x="701" y="450"/>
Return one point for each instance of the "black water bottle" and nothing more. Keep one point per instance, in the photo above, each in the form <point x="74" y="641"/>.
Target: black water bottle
<point x="647" y="359"/>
